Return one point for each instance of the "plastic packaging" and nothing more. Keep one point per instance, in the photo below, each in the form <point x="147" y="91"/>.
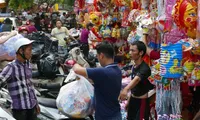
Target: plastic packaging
<point x="75" y="99"/>
<point x="8" y="46"/>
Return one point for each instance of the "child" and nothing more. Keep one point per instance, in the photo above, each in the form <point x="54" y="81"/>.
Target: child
<point x="18" y="74"/>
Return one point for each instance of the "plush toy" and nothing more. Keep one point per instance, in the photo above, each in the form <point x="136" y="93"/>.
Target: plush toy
<point x="95" y="18"/>
<point x="81" y="17"/>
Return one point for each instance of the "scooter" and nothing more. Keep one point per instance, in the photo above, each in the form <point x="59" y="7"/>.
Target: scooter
<point x="5" y="103"/>
<point x="50" y="88"/>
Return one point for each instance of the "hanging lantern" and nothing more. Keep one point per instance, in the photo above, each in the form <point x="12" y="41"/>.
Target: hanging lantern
<point x="170" y="59"/>
<point x="185" y="16"/>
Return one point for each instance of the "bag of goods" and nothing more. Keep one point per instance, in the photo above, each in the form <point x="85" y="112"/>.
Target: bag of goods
<point x="75" y="99"/>
<point x="8" y="46"/>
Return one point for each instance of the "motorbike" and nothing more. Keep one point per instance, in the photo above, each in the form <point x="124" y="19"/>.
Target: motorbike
<point x="5" y="103"/>
<point x="52" y="87"/>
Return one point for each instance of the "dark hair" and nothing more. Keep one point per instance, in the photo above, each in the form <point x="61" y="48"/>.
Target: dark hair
<point x="58" y="20"/>
<point x="89" y="25"/>
<point x="8" y="21"/>
<point x="64" y="13"/>
<point x="140" y="46"/>
<point x="106" y="48"/>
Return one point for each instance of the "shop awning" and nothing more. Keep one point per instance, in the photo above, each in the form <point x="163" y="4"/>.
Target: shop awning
<point x="2" y="4"/>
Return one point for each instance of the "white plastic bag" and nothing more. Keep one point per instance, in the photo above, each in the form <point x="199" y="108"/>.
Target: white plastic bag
<point x="75" y="99"/>
<point x="8" y="46"/>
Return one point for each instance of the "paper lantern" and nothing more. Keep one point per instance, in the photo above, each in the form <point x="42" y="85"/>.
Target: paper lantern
<point x="170" y="59"/>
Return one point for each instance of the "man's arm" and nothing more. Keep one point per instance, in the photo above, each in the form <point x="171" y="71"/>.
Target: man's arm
<point x="197" y="116"/>
<point x="5" y="74"/>
<point x="131" y="85"/>
<point x="150" y="52"/>
<point x="80" y="70"/>
<point x="52" y="33"/>
<point x="144" y="40"/>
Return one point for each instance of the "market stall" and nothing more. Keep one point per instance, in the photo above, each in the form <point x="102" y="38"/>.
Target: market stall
<point x="172" y="30"/>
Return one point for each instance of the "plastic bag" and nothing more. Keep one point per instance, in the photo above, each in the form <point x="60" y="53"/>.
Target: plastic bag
<point x="8" y="46"/>
<point x="47" y="65"/>
<point x="75" y="99"/>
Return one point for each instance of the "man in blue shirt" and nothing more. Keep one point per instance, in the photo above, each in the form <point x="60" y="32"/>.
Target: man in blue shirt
<point x="107" y="83"/>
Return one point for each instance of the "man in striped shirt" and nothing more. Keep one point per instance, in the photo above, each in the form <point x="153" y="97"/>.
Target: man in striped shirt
<point x="18" y="75"/>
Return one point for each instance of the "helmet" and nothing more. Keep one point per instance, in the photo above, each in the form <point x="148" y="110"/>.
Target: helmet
<point x="23" y="28"/>
<point x="21" y="42"/>
<point x="70" y="63"/>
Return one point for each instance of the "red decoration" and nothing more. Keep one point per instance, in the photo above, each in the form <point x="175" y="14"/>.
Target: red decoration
<point x="81" y="4"/>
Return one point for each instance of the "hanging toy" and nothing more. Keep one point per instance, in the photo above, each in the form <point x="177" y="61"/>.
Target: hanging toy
<point x="166" y="83"/>
<point x="116" y="30"/>
<point x="188" y="66"/>
<point x="95" y="18"/>
<point x="170" y="59"/>
<point x="196" y="71"/>
<point x="133" y="15"/>
<point x="185" y="16"/>
<point x="196" y="47"/>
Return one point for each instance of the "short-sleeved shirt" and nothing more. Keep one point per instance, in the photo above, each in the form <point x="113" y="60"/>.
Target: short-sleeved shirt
<point x="60" y="34"/>
<point x="84" y="35"/>
<point x="143" y="71"/>
<point x="32" y="28"/>
<point x="107" y="84"/>
<point x="62" y="18"/>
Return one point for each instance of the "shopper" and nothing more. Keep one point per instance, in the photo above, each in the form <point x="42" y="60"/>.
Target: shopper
<point x="61" y="33"/>
<point x="31" y="26"/>
<point x="7" y="25"/>
<point x="138" y="102"/>
<point x="107" y="83"/>
<point x="63" y="17"/>
<point x="37" y="22"/>
<point x="84" y="38"/>
<point x="18" y="74"/>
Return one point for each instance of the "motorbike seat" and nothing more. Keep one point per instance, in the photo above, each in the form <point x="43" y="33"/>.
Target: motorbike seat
<point x="48" y="102"/>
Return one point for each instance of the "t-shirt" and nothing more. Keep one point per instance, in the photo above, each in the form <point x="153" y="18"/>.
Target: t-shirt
<point x="107" y="83"/>
<point x="60" y="34"/>
<point x="32" y="28"/>
<point x="6" y="27"/>
<point x="84" y="36"/>
<point x="143" y="71"/>
<point x="62" y="18"/>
